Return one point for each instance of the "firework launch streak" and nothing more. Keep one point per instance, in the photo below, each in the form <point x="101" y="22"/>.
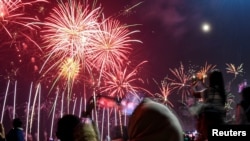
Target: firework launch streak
<point x="233" y="132"/>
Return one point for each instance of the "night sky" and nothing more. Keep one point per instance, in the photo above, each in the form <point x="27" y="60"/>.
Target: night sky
<point x="171" y="32"/>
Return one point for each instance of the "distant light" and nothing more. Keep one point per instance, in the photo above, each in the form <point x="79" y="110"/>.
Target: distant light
<point x="206" y="27"/>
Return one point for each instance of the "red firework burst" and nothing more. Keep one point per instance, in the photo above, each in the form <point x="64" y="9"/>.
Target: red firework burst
<point x="181" y="82"/>
<point x="111" y="45"/>
<point x="121" y="82"/>
<point x="68" y="31"/>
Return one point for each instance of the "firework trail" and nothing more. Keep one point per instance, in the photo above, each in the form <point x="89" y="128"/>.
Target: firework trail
<point x="13" y="18"/>
<point x="108" y="117"/>
<point x="181" y="82"/>
<point x="166" y="90"/>
<point x="14" y="103"/>
<point x="115" y="112"/>
<point x="53" y="114"/>
<point x="103" y="115"/>
<point x="38" y="114"/>
<point x="4" y="102"/>
<point x="120" y="82"/>
<point x="80" y="107"/>
<point x="62" y="103"/>
<point x="74" y="107"/>
<point x="28" y="109"/>
<point x="34" y="104"/>
<point x="129" y="9"/>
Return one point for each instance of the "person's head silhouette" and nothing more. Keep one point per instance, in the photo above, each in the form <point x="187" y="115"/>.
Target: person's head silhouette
<point x="66" y="127"/>
<point x="17" y="123"/>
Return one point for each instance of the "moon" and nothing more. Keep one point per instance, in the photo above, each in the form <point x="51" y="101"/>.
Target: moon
<point x="206" y="27"/>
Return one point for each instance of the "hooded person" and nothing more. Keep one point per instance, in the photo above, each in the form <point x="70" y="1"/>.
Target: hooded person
<point x="154" y="121"/>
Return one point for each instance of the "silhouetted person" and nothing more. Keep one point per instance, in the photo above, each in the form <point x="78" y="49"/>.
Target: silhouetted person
<point x="73" y="128"/>
<point x="66" y="127"/>
<point x="16" y="133"/>
<point x="243" y="108"/>
<point x="152" y="121"/>
<point x="211" y="110"/>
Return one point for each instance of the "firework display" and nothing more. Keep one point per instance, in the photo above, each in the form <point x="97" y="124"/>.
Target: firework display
<point x="77" y="53"/>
